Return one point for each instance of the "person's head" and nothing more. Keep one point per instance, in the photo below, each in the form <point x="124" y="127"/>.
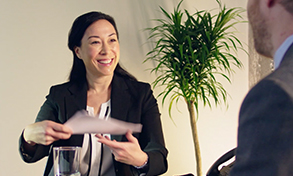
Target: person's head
<point x="261" y="34"/>
<point x="263" y="15"/>
<point x="93" y="40"/>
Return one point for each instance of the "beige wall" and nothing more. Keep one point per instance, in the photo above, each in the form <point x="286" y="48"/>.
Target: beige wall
<point x="34" y="56"/>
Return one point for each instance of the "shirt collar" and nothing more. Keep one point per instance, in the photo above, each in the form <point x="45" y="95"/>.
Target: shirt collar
<point x="282" y="50"/>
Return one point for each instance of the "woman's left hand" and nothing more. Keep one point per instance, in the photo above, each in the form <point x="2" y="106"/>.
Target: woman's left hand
<point x="126" y="152"/>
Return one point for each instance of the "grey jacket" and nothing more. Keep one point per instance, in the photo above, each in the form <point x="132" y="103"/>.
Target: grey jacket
<point x="265" y="134"/>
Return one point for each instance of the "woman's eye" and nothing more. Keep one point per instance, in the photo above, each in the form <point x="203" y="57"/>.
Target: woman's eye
<point x="113" y="40"/>
<point x="95" y="42"/>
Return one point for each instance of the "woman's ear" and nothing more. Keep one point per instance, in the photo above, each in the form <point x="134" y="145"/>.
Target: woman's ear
<point x="77" y="51"/>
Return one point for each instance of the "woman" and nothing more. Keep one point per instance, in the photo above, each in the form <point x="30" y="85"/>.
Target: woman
<point x="99" y="85"/>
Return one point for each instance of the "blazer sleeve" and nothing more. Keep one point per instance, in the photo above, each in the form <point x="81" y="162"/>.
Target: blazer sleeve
<point x="48" y="111"/>
<point x="265" y="132"/>
<point x="151" y="139"/>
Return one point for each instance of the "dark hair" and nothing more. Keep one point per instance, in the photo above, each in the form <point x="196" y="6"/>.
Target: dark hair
<point x="288" y="5"/>
<point x="79" y="26"/>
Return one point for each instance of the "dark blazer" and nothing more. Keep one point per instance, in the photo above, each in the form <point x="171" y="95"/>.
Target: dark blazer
<point x="131" y="101"/>
<point x="265" y="133"/>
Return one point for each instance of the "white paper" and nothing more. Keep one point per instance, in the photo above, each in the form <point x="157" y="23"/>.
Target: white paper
<point x="81" y="123"/>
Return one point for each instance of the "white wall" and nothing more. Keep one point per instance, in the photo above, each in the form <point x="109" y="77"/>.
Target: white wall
<point x="34" y="56"/>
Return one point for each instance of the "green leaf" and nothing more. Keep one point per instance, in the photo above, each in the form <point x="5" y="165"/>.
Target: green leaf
<point x="191" y="49"/>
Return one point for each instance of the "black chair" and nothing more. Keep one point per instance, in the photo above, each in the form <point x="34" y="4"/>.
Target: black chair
<point x="224" y="171"/>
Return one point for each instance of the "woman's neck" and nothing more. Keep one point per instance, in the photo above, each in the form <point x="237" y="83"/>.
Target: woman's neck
<point x="99" y="84"/>
<point x="99" y="91"/>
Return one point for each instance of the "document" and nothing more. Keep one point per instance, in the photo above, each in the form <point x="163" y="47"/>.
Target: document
<point x="81" y="123"/>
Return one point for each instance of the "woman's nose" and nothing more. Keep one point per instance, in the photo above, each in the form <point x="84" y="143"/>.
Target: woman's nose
<point x="105" y="48"/>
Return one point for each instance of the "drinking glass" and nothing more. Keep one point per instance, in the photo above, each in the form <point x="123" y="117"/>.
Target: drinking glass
<point x="66" y="161"/>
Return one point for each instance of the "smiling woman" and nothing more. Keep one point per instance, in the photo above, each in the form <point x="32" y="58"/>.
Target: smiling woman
<point x="100" y="49"/>
<point x="100" y="86"/>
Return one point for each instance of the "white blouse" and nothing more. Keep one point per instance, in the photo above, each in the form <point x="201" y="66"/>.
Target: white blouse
<point x="93" y="154"/>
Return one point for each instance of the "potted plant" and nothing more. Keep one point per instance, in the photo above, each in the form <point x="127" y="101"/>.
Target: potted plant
<point x="190" y="54"/>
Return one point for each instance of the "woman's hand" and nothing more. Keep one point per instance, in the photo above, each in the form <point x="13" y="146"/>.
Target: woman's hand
<point x="45" y="132"/>
<point x="125" y="152"/>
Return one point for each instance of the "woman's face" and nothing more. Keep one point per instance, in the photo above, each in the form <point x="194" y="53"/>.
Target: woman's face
<point x="99" y="49"/>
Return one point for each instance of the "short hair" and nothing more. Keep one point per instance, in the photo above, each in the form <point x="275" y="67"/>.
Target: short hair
<point x="288" y="5"/>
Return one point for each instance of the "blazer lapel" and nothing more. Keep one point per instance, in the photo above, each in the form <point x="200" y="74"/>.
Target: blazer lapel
<point x="120" y="101"/>
<point x="75" y="101"/>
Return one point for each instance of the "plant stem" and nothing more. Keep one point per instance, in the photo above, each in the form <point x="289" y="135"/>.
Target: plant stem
<point x="195" y="138"/>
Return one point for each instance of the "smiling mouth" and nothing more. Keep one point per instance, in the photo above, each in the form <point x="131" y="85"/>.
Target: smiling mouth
<point x="105" y="61"/>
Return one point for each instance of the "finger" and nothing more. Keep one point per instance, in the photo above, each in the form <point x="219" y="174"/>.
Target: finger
<point x="60" y="128"/>
<point x="107" y="137"/>
<point x="99" y="136"/>
<point x="47" y="140"/>
<point x="60" y="131"/>
<point x="118" y="158"/>
<point x="109" y="143"/>
<point x="56" y="134"/>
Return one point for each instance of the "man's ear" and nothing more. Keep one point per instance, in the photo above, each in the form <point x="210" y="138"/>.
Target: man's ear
<point x="77" y="51"/>
<point x="271" y="3"/>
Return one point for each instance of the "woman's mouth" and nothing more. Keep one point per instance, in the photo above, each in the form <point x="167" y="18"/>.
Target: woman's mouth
<point x="105" y="61"/>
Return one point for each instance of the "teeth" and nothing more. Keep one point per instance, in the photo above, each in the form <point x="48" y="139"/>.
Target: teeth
<point x="105" y="61"/>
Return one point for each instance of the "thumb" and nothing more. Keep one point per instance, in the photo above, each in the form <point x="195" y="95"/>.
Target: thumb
<point x="130" y="137"/>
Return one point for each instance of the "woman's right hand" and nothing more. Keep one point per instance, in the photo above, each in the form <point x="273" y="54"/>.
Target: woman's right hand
<point x="45" y="132"/>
